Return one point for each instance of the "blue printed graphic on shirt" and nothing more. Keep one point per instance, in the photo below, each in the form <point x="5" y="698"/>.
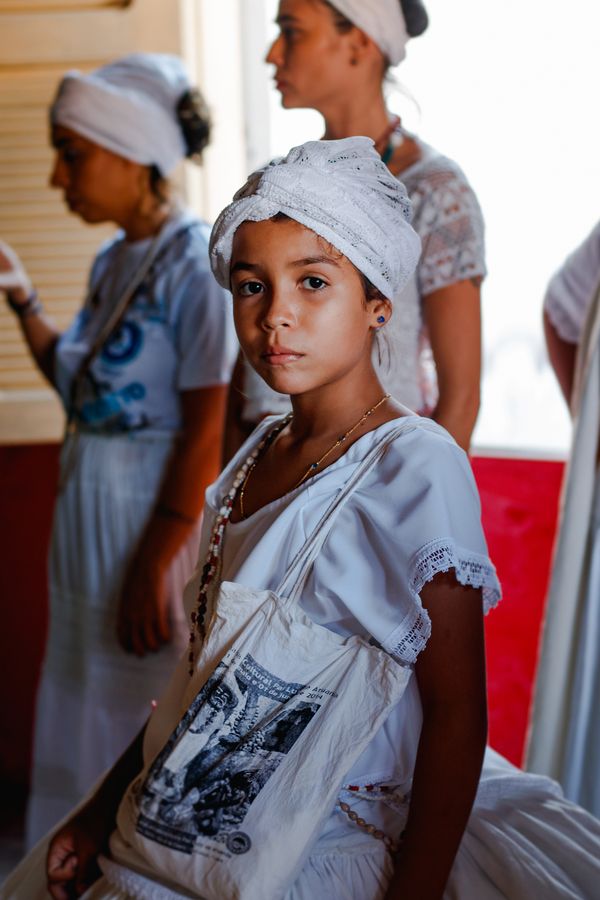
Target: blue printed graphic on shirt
<point x="175" y="336"/>
<point x="123" y="346"/>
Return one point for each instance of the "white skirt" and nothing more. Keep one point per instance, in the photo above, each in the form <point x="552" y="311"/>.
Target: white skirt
<point x="523" y="841"/>
<point x="93" y="697"/>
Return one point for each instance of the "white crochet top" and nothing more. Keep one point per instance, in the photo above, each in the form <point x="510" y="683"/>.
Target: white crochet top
<point x="448" y="219"/>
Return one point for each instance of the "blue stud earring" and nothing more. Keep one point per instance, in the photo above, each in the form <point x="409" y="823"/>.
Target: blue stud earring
<point x="381" y="319"/>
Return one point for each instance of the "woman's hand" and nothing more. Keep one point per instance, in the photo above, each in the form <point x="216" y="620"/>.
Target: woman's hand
<point x="72" y="860"/>
<point x="13" y="277"/>
<point x="144" y="622"/>
<point x="143" y="625"/>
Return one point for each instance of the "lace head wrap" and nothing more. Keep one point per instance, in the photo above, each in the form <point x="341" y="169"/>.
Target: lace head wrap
<point x="382" y="20"/>
<point x="343" y="192"/>
<point x="128" y="107"/>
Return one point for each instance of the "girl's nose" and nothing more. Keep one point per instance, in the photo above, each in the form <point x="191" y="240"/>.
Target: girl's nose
<point x="279" y="313"/>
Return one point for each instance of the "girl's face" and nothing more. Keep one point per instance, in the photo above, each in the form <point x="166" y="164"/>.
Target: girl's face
<point x="98" y="185"/>
<point x="299" y="306"/>
<point x="311" y="57"/>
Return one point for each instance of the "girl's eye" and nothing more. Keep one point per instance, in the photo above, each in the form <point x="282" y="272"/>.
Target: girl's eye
<point x="70" y="156"/>
<point x="249" y="288"/>
<point x="313" y="283"/>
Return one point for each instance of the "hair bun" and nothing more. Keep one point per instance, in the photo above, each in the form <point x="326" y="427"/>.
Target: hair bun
<point x="415" y="16"/>
<point x="194" y="121"/>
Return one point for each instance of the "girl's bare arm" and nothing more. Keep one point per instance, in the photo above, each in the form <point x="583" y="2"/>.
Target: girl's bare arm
<point x="451" y="677"/>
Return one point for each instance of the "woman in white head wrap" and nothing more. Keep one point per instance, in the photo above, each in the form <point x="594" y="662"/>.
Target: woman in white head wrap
<point x="333" y="57"/>
<point x="142" y="373"/>
<point x="314" y="248"/>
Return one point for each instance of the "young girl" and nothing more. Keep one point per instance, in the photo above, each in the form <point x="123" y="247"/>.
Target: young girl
<point x="313" y="248"/>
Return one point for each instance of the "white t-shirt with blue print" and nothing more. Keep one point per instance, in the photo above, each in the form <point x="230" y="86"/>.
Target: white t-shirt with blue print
<point x="176" y="335"/>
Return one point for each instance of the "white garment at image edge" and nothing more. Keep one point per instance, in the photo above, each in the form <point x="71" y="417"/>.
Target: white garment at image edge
<point x="572" y="288"/>
<point x="176" y="335"/>
<point x="448" y="219"/>
<point x="416" y="514"/>
<point x="564" y="739"/>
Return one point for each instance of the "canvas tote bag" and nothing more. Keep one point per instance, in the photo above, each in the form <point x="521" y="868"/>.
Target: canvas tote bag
<point x="279" y="710"/>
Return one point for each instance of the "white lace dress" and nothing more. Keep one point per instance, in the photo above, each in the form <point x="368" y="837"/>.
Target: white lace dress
<point x="416" y="514"/>
<point x="448" y="219"/>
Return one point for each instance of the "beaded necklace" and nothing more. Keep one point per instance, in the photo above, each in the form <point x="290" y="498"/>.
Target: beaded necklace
<point x="313" y="466"/>
<point x="213" y="559"/>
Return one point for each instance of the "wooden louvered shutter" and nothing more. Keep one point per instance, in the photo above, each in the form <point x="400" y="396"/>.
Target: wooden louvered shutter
<point x="54" y="246"/>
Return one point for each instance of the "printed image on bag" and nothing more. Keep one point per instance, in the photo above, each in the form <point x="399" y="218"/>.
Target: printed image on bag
<point x="233" y="737"/>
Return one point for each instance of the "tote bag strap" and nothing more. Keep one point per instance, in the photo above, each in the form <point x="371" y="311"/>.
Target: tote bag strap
<point x="298" y="571"/>
<point x="163" y="239"/>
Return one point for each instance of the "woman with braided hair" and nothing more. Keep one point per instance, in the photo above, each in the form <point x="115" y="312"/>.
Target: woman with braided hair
<point x="334" y="57"/>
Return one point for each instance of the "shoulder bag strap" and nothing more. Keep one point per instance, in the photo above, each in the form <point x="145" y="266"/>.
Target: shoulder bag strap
<point x="158" y="245"/>
<point x="298" y="571"/>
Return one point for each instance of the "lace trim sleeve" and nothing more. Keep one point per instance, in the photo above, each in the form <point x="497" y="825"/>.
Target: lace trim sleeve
<point x="473" y="569"/>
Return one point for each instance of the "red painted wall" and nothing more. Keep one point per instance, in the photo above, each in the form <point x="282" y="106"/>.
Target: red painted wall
<point x="519" y="499"/>
<point x="28" y="477"/>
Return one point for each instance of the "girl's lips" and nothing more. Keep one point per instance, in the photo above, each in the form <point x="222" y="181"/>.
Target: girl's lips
<point x="279" y="356"/>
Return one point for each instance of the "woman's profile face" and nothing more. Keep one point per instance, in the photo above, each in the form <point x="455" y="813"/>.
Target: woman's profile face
<point x="311" y="57"/>
<point x="97" y="185"/>
<point x="299" y="307"/>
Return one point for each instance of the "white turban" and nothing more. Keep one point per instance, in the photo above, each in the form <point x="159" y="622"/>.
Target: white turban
<point x="382" y="20"/>
<point x="343" y="192"/>
<point x="128" y="107"/>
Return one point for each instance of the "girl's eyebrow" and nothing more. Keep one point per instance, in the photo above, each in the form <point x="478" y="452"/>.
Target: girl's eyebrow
<point x="315" y="260"/>
<point x="243" y="265"/>
<point x="285" y="19"/>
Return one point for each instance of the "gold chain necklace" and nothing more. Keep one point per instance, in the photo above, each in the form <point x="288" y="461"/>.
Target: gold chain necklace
<point x="316" y="464"/>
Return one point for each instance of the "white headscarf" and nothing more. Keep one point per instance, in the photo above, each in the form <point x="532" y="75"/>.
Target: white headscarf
<point x="342" y="191"/>
<point x="128" y="107"/>
<point x="382" y="20"/>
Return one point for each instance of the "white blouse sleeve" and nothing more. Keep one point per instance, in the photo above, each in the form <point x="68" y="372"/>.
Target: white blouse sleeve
<point x="572" y="288"/>
<point x="417" y="516"/>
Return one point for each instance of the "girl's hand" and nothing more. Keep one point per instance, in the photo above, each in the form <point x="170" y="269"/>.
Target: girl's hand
<point x="72" y="860"/>
<point x="143" y="624"/>
<point x="13" y="277"/>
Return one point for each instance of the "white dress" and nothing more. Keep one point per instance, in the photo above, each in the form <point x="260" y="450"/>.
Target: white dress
<point x="416" y="514"/>
<point x="565" y="728"/>
<point x="176" y="336"/>
<point x="448" y="219"/>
